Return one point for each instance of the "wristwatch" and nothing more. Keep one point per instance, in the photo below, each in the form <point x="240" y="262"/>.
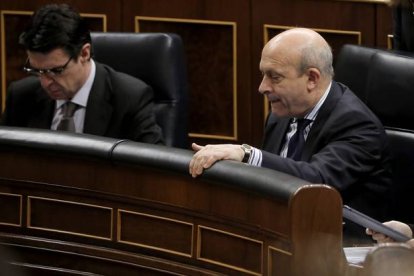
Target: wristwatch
<point x="247" y="152"/>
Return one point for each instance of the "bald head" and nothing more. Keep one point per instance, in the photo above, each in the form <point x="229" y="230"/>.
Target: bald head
<point x="297" y="70"/>
<point x="303" y="48"/>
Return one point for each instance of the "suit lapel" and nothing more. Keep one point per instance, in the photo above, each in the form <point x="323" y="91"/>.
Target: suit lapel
<point x="275" y="133"/>
<point x="318" y="125"/>
<point x="44" y="110"/>
<point x="99" y="110"/>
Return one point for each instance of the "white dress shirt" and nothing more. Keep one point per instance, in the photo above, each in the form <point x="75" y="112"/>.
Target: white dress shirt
<point x="81" y="99"/>
<point x="256" y="156"/>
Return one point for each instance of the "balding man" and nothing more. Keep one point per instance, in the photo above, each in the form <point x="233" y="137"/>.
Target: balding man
<point x="339" y="141"/>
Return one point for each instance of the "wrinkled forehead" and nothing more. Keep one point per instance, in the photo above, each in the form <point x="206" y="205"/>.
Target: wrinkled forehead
<point x="277" y="55"/>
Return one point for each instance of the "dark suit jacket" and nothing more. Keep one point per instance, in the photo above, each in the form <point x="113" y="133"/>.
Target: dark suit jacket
<point x="346" y="148"/>
<point x="119" y="106"/>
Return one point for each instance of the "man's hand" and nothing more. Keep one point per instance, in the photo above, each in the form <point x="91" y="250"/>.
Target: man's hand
<point x="206" y="156"/>
<point x="396" y="225"/>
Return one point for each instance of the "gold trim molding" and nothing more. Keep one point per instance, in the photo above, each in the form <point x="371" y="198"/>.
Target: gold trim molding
<point x="390" y="37"/>
<point x="270" y="249"/>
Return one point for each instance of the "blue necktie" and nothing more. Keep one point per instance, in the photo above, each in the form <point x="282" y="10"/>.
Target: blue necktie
<point x="297" y="141"/>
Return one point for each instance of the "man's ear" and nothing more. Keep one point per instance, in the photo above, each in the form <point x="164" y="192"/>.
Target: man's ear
<point x="86" y="52"/>
<point x="314" y="75"/>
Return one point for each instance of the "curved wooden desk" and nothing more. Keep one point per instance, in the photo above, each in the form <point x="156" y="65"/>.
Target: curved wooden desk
<point x="389" y="259"/>
<point x="80" y="203"/>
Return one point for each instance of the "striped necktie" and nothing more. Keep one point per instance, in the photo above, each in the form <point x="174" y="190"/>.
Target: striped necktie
<point x="297" y="142"/>
<point x="67" y="123"/>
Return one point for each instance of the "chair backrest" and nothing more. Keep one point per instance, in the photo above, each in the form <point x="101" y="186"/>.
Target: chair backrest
<point x="390" y="95"/>
<point x="390" y="89"/>
<point x="352" y="67"/>
<point x="158" y="59"/>
<point x="402" y="161"/>
<point x="384" y="80"/>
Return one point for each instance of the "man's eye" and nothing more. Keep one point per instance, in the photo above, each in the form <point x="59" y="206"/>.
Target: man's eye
<point x="57" y="71"/>
<point x="276" y="77"/>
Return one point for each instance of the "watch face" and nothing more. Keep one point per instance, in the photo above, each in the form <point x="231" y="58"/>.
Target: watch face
<point x="246" y="148"/>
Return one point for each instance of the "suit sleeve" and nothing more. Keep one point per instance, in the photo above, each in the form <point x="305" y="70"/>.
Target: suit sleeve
<point x="343" y="153"/>
<point x="14" y="109"/>
<point x="144" y="127"/>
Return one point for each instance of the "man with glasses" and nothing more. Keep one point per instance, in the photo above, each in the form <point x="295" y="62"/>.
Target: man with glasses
<point x="64" y="76"/>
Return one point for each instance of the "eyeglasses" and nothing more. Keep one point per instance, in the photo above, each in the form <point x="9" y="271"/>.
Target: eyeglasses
<point x="52" y="72"/>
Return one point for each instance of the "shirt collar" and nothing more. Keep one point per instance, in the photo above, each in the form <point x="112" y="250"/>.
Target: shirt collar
<point x="81" y="97"/>
<point x="314" y="112"/>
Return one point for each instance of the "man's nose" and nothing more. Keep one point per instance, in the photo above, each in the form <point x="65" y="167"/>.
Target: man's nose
<point x="264" y="87"/>
<point x="45" y="80"/>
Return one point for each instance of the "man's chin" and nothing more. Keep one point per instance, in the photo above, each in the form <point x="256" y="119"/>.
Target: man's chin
<point x="279" y="111"/>
<point x="57" y="96"/>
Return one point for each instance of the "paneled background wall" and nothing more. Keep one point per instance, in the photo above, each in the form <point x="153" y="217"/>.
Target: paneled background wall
<point x="223" y="42"/>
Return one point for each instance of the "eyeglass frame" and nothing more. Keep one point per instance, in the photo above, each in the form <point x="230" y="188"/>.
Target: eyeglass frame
<point x="52" y="72"/>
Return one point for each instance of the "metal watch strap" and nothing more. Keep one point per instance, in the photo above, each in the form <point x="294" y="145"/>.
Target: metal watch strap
<point x="247" y="152"/>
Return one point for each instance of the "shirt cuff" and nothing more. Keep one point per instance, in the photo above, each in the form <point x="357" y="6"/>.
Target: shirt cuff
<point x="255" y="158"/>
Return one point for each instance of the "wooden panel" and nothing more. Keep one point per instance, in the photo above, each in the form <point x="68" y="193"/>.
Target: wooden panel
<point x="278" y="260"/>
<point x="217" y="123"/>
<point x="10" y="209"/>
<point x="69" y="217"/>
<point x="44" y="257"/>
<point x="165" y="234"/>
<point x="220" y="247"/>
<point x="384" y="26"/>
<point x="210" y="48"/>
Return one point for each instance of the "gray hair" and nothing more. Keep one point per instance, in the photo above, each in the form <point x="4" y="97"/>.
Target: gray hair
<point x="317" y="57"/>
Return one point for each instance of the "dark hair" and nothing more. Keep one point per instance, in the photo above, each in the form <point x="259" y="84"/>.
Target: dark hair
<point x="56" y="26"/>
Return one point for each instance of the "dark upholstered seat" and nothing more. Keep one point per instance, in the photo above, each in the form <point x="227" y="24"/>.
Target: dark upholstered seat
<point x="352" y="67"/>
<point x="384" y="80"/>
<point x="402" y="154"/>
<point x="157" y="59"/>
<point x="390" y="94"/>
<point x="390" y="89"/>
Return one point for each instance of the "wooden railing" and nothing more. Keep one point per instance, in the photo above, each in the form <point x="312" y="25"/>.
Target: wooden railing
<point x="84" y="204"/>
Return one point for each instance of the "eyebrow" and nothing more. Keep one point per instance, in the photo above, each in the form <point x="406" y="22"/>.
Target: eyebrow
<point x="55" y="70"/>
<point x="47" y="69"/>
